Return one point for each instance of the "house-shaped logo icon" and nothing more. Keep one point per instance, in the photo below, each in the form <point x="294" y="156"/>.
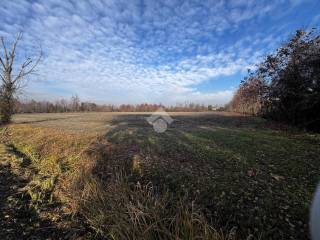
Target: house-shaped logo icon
<point x="160" y="120"/>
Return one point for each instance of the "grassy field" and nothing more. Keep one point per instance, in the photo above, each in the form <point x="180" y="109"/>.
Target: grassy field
<point x="210" y="175"/>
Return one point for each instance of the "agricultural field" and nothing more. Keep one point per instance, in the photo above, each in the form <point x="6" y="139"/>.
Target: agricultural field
<point x="210" y="175"/>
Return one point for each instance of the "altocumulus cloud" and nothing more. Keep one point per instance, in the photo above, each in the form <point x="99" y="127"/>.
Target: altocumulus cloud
<point x="118" y="51"/>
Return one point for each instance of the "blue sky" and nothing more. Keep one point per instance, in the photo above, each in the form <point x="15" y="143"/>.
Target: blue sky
<point x="133" y="51"/>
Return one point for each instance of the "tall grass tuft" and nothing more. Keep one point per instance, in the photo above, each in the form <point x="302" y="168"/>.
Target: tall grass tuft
<point x="119" y="208"/>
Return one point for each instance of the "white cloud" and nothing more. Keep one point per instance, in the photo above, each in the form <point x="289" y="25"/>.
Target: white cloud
<point x="119" y="51"/>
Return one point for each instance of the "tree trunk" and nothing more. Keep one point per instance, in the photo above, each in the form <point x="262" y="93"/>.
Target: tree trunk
<point x="7" y="102"/>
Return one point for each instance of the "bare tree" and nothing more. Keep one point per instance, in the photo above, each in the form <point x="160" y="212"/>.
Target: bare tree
<point x="11" y="83"/>
<point x="75" y="103"/>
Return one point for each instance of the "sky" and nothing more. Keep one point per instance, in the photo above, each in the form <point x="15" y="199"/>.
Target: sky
<point x="155" y="51"/>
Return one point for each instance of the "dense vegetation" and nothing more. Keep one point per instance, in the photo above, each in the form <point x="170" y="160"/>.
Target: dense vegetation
<point x="286" y="85"/>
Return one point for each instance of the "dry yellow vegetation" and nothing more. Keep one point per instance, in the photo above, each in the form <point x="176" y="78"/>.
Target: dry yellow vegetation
<point x="209" y="176"/>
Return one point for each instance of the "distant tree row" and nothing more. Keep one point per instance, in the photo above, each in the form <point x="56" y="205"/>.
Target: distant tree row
<point x="286" y="85"/>
<point x="75" y="105"/>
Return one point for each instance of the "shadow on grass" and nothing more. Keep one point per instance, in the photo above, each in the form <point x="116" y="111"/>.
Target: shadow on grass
<point x="14" y="151"/>
<point x="43" y="120"/>
<point x="237" y="168"/>
<point x="18" y="219"/>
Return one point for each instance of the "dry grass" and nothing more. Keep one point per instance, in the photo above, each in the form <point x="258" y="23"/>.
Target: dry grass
<point x="83" y="173"/>
<point x="120" y="210"/>
<point x="97" y="123"/>
<point x="117" y="206"/>
<point x="53" y="154"/>
<point x="206" y="174"/>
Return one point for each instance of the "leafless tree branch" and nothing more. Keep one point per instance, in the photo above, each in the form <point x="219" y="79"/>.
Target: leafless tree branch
<point x="12" y="84"/>
<point x="12" y="54"/>
<point x="5" y="52"/>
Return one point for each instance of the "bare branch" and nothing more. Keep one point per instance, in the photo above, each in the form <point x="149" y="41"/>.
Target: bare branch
<point x="12" y="55"/>
<point x="2" y="78"/>
<point x="0" y="56"/>
<point x="23" y="70"/>
<point x="2" y="63"/>
<point x="12" y="84"/>
<point x="5" y="51"/>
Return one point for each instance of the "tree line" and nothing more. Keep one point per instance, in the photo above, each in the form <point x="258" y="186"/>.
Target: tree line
<point x="75" y="105"/>
<point x="286" y="85"/>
